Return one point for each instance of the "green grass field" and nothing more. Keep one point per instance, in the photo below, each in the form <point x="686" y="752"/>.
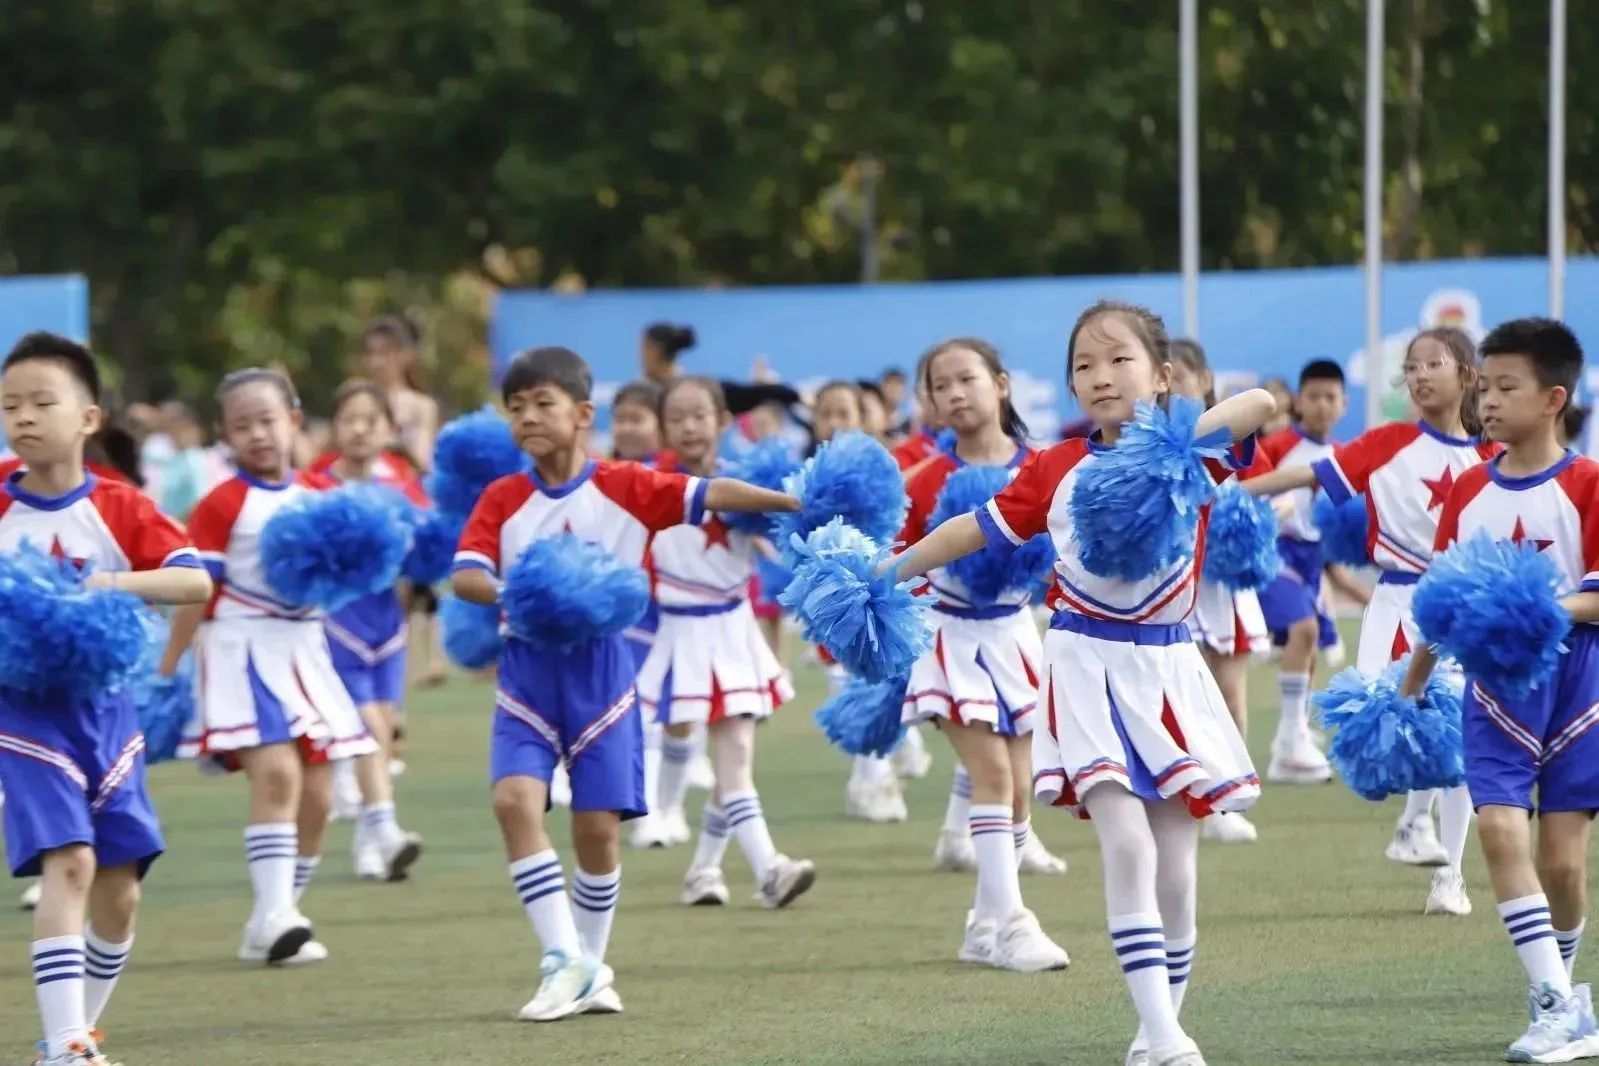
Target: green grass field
<point x="1312" y="948"/>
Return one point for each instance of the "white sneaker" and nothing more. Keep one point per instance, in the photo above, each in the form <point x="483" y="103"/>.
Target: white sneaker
<point x="1335" y="655"/>
<point x="346" y="793"/>
<point x="704" y="887"/>
<point x="700" y="773"/>
<point x="1137" y="1055"/>
<point x="978" y="946"/>
<point x="1036" y="859"/>
<point x="396" y="768"/>
<point x="310" y="953"/>
<point x="913" y="759"/>
<point x="566" y="984"/>
<point x="887" y="803"/>
<point x="786" y="880"/>
<point x="1298" y="762"/>
<point x="279" y="939"/>
<point x="954" y="851"/>
<point x="857" y="798"/>
<point x="1185" y="1053"/>
<point x="605" y="1001"/>
<point x="560" y="787"/>
<point x="369" y="865"/>
<point x="1021" y="945"/>
<point x="78" y="1053"/>
<point x="30" y="896"/>
<point x="1229" y="829"/>
<point x="648" y="832"/>
<point x="399" y="854"/>
<point x="1448" y="893"/>
<point x="675" y="828"/>
<point x="1417" y="844"/>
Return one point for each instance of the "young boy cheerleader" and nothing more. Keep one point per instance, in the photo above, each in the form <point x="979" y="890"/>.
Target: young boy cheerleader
<point x="978" y="683"/>
<point x="1406" y="471"/>
<point x="78" y="815"/>
<point x="1537" y="492"/>
<point x="267" y="698"/>
<point x="711" y="665"/>
<point x="574" y="706"/>
<point x="1133" y="730"/>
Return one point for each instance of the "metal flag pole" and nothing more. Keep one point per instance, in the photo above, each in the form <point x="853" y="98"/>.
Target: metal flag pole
<point x="1557" y="158"/>
<point x="1188" y="168"/>
<point x="1376" y="384"/>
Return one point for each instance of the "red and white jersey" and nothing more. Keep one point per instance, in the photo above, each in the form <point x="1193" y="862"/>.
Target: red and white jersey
<point x="617" y="505"/>
<point x="395" y="476"/>
<point x="1038" y="500"/>
<point x="1287" y="449"/>
<point x="1406" y="471"/>
<point x="700" y="566"/>
<point x="101" y="525"/>
<point x="227" y="525"/>
<point x="1557" y="510"/>
<point x="923" y="488"/>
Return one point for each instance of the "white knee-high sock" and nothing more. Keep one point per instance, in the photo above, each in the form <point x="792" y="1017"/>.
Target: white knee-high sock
<point x="304" y="870"/>
<point x="652" y="763"/>
<point x="1527" y="921"/>
<point x="541" y="886"/>
<point x="270" y="850"/>
<point x="960" y="801"/>
<point x="379" y="824"/>
<point x="676" y="754"/>
<point x="58" y="983"/>
<point x="1418" y="805"/>
<point x="712" y="844"/>
<point x="1295" y="693"/>
<point x="103" y="963"/>
<point x="594" y="898"/>
<point x="1454" y="822"/>
<point x="1569" y="942"/>
<point x="999" y="893"/>
<point x="1018" y="833"/>
<point x="747" y="822"/>
<point x="1140" y="946"/>
<point x="1179" y="964"/>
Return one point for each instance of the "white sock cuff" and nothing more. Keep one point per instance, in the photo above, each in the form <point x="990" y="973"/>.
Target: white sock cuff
<point x="105" y="947"/>
<point x="269" y="829"/>
<point x="1293" y="682"/>
<point x="596" y="892"/>
<point x="581" y="876"/>
<point x="1537" y="901"/>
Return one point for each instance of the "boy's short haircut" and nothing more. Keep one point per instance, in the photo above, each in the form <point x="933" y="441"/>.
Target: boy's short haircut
<point x="560" y="367"/>
<point x="1553" y="350"/>
<point x="77" y="359"/>
<point x="1321" y="370"/>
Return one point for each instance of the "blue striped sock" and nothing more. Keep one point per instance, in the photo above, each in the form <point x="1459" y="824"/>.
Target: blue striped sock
<point x="541" y="886"/>
<point x="103" y="963"/>
<point x="594" y="899"/>
<point x="960" y="801"/>
<point x="1527" y="921"/>
<point x="712" y="844"/>
<point x="271" y="849"/>
<point x="747" y="822"/>
<point x="304" y="869"/>
<point x="1569" y="941"/>
<point x="1019" y="832"/>
<point x="1179" y="964"/>
<point x="1139" y="942"/>
<point x="1295" y="692"/>
<point x="58" y="978"/>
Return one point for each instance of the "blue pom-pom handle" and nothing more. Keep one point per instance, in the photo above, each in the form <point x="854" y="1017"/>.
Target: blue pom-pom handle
<point x="851" y="477"/>
<point x="1135" y="508"/>
<point x="767" y="464"/>
<point x="329" y="549"/>
<point x="990" y="572"/>
<point x="1241" y="541"/>
<point x="1344" y="527"/>
<point x="1384" y="744"/>
<point x="564" y="591"/>
<point x="472" y="452"/>
<point x="1493" y="607"/>
<point x="864" y="718"/>
<point x="60" y="640"/>
<point x="471" y="633"/>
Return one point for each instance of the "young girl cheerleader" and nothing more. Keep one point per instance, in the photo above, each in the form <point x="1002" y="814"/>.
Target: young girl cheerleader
<point x="367" y="637"/>
<point x="1134" y="732"/>
<point x="267" y="698"/>
<point x="978" y="683"/>
<point x="710" y="664"/>
<point x="1228" y="623"/>
<point x="635" y="423"/>
<point x="1405" y="470"/>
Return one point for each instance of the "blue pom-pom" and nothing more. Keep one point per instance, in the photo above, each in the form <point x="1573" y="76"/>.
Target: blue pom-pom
<point x="1493" y="607"/>
<point x="1343" y="529"/>
<point x="773" y="575"/>
<point x="1384" y="744"/>
<point x="1135" y="508"/>
<point x="864" y="718"/>
<point x="1241" y="541"/>
<point x="328" y="549"/>
<point x="872" y="625"/>
<point x="768" y="464"/>
<point x="990" y="571"/>
<point x="164" y="704"/>
<point x="851" y="477"/>
<point x="471" y="632"/>
<point x="434" y="537"/>
<point x="564" y="591"/>
<point x="58" y="639"/>
<point x="472" y="452"/>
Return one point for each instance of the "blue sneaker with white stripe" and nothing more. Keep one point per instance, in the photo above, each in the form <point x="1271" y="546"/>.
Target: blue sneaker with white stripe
<point x="1564" y="1029"/>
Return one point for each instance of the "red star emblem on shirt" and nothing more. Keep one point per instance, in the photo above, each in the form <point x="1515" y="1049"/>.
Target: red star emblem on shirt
<point x="1439" y="488"/>
<point x="59" y="552"/>
<point x="715" y="532"/>
<point x="566" y="527"/>
<point x="1519" y="534"/>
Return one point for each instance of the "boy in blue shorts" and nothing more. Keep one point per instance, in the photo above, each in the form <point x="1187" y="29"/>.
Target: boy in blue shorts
<point x="575" y="706"/>
<point x="77" y="815"/>
<point x="1539" y="754"/>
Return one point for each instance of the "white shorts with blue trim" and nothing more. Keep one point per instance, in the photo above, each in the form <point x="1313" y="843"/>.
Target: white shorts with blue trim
<point x="979" y="670"/>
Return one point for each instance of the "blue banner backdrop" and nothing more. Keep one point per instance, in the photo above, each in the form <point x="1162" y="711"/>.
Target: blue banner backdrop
<point x="58" y="303"/>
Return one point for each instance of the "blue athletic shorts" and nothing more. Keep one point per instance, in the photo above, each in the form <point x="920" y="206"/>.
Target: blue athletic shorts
<point x="1295" y="593"/>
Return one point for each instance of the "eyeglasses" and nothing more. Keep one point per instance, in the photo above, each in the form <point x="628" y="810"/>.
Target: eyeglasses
<point x="1414" y="369"/>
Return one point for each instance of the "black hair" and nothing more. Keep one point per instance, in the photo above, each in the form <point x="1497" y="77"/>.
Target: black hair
<point x="1458" y="345"/>
<point x="893" y="372"/>
<point x="561" y="367"/>
<point x="1574" y="420"/>
<point x="670" y="339"/>
<point x="848" y="386"/>
<point x="250" y="375"/>
<point x="77" y="359"/>
<point x="1553" y="350"/>
<point x="1321" y="370"/>
<point x="866" y="385"/>
<point x="639" y="394"/>
<point x="712" y="387"/>
<point x="1010" y="420"/>
<point x="1192" y="355"/>
<point x="1147" y="326"/>
<point x="120" y="450"/>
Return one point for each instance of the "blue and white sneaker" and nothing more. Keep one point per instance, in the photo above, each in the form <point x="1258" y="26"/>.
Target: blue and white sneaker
<point x="1563" y="1031"/>
<point x="567" y="983"/>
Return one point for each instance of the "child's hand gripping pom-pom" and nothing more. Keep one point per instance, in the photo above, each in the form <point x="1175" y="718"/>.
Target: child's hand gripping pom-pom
<point x="1384" y="744"/>
<point x="165" y="706"/>
<point x="471" y="632"/>
<point x="864" y="719"/>
<point x="872" y="625"/>
<point x="990" y="572"/>
<point x="564" y="591"/>
<point x="1492" y="607"/>
<point x="1241" y="540"/>
<point x="471" y="452"/>
<point x="851" y="477"/>
<point x="328" y="549"/>
<point x="1135" y="508"/>
<point x="1343" y="527"/>
<point x="434" y="537"/>
<point x="59" y="639"/>
<point x="766" y="464"/>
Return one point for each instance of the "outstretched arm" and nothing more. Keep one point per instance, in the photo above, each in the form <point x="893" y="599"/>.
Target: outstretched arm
<point x="731" y="494"/>
<point x="954" y="539"/>
<point x="1241" y="415"/>
<point x="475" y="585"/>
<point x="166" y="584"/>
<point x="1280" y="481"/>
<point x="1582" y="606"/>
